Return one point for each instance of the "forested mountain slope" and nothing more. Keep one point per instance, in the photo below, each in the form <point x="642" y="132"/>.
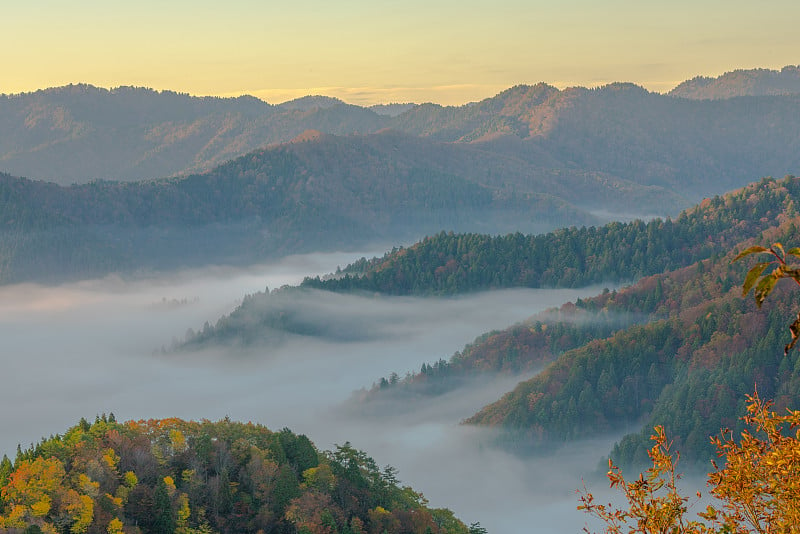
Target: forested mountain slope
<point x="449" y="263"/>
<point x="171" y="475"/>
<point x="742" y="82"/>
<point x="689" y="369"/>
<point x="680" y="348"/>
<point x="695" y="147"/>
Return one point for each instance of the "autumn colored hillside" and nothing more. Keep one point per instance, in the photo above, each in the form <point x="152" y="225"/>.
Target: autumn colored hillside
<point x="186" y="477"/>
<point x="688" y="369"/>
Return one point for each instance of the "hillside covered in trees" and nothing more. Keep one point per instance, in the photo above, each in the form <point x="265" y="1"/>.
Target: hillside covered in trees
<point x="681" y="348"/>
<point x="450" y="263"/>
<point x="688" y="368"/>
<point x="742" y="82"/>
<point x="160" y="476"/>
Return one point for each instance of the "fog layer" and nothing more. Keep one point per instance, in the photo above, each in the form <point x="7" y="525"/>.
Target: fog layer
<point x="87" y="348"/>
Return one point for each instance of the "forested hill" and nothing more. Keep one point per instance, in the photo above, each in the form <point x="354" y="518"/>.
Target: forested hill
<point x="742" y="82"/>
<point x="680" y="348"/>
<point x="688" y="369"/>
<point x="200" y="478"/>
<point x="449" y="263"/>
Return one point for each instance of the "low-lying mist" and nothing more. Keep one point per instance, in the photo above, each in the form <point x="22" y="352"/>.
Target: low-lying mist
<point x="93" y="347"/>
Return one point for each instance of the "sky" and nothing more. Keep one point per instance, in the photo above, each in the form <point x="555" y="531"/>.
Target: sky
<point x="367" y="52"/>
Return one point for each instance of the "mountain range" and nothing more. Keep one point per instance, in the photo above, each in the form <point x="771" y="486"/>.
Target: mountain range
<point x="164" y="180"/>
<point x="695" y="148"/>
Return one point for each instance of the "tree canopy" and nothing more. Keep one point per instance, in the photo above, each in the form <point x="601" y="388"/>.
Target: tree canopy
<point x="170" y="475"/>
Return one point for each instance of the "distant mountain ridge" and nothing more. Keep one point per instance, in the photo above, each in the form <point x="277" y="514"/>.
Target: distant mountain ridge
<point x="693" y="149"/>
<point x="392" y="110"/>
<point x="311" y="102"/>
<point x="742" y="82"/>
<point x="80" y="133"/>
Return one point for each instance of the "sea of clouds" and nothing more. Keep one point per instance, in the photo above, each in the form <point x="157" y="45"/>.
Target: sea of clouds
<point x="92" y="347"/>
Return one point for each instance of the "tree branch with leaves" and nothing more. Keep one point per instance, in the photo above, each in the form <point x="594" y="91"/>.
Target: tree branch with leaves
<point x="763" y="276"/>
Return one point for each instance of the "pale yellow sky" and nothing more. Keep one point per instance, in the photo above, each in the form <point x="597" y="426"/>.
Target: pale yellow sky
<point x="448" y="51"/>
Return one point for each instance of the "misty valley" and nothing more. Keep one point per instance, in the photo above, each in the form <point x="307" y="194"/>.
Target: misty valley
<point x="96" y="346"/>
<point x="220" y="315"/>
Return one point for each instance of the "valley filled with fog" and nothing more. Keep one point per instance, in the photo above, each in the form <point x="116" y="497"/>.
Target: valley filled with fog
<point x="96" y="346"/>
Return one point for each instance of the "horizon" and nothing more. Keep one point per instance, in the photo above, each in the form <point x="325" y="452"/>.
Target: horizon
<point x="447" y="53"/>
<point x="382" y="103"/>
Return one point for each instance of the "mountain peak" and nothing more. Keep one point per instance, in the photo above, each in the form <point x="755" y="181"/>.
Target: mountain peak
<point x="623" y="87"/>
<point x="529" y="95"/>
<point x="741" y="82"/>
<point x="311" y="102"/>
<point x="393" y="109"/>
